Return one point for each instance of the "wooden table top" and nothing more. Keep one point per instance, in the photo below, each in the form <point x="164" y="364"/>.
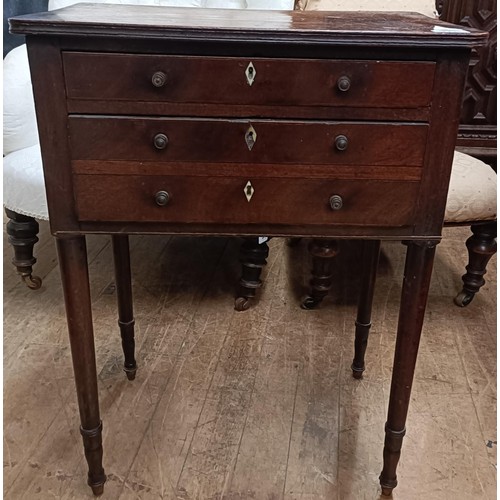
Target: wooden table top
<point x="323" y="27"/>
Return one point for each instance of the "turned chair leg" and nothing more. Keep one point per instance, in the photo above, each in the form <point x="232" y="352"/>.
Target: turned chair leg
<point x="482" y="246"/>
<point x="322" y="252"/>
<point x="371" y="250"/>
<point x="253" y="257"/>
<point x="22" y="231"/>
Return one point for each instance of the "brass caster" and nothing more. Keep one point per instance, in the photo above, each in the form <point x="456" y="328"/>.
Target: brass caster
<point x="463" y="299"/>
<point x="357" y="374"/>
<point x="32" y="282"/>
<point x="310" y="303"/>
<point x="241" y="304"/>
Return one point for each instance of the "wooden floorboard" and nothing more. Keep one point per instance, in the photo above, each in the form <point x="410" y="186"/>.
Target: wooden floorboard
<point x="253" y="405"/>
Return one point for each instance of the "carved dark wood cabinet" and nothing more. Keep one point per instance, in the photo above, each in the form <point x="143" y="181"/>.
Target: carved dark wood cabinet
<point x="184" y="121"/>
<point x="477" y="133"/>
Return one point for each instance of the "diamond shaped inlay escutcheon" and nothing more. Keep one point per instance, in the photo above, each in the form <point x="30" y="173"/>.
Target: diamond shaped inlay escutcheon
<point x="250" y="73"/>
<point x="250" y="137"/>
<point x="249" y="191"/>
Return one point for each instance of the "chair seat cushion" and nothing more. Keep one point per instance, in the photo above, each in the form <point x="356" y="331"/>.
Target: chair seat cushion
<point x="472" y="195"/>
<point x="23" y="183"/>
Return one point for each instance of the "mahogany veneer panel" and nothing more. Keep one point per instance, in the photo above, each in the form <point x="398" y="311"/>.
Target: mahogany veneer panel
<point x="195" y="140"/>
<point x="275" y="201"/>
<point x="204" y="80"/>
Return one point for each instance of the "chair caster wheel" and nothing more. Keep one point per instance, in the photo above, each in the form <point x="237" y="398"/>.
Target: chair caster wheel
<point x="463" y="299"/>
<point x="310" y="303"/>
<point x="32" y="282"/>
<point x="358" y="375"/>
<point x="241" y="304"/>
<point x="130" y="372"/>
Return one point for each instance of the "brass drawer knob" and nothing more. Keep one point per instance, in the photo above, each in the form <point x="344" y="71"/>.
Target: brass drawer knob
<point x="162" y="198"/>
<point x="160" y="141"/>
<point x="335" y="202"/>
<point x="341" y="142"/>
<point x="159" y="79"/>
<point x="344" y="83"/>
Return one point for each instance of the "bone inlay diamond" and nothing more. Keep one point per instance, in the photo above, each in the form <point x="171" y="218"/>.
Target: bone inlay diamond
<point x="250" y="137"/>
<point x="250" y="73"/>
<point x="249" y="191"/>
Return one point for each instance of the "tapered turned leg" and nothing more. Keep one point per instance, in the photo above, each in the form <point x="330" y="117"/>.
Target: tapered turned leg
<point x="126" y="321"/>
<point x="417" y="276"/>
<point x="482" y="246"/>
<point x="253" y="258"/>
<point x="371" y="250"/>
<point x="22" y="231"/>
<point x="74" y="275"/>
<point x="322" y="252"/>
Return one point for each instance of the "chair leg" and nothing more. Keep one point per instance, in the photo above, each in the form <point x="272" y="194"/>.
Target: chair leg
<point x="371" y="250"/>
<point x="323" y="252"/>
<point x="253" y="257"/>
<point x="482" y="246"/>
<point x="22" y="231"/>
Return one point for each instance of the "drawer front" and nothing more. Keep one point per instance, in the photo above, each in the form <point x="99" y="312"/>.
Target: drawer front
<point x="242" y="141"/>
<point x="231" y="200"/>
<point x="225" y="80"/>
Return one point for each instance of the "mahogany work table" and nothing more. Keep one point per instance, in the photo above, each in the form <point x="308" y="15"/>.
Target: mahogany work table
<point x="236" y="122"/>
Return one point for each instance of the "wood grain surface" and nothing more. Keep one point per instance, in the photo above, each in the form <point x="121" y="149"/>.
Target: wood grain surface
<point x="377" y="28"/>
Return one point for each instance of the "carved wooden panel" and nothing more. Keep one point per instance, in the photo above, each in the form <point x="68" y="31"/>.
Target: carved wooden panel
<point x="478" y="129"/>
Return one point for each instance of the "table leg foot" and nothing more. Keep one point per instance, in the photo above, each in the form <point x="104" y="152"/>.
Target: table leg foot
<point x="392" y="451"/>
<point x="130" y="372"/>
<point x="386" y="491"/>
<point x="97" y="489"/>
<point x="92" y="445"/>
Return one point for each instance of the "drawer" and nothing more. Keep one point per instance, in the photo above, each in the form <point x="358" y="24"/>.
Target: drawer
<point x="224" y="80"/>
<point x="242" y="141"/>
<point x="224" y="200"/>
